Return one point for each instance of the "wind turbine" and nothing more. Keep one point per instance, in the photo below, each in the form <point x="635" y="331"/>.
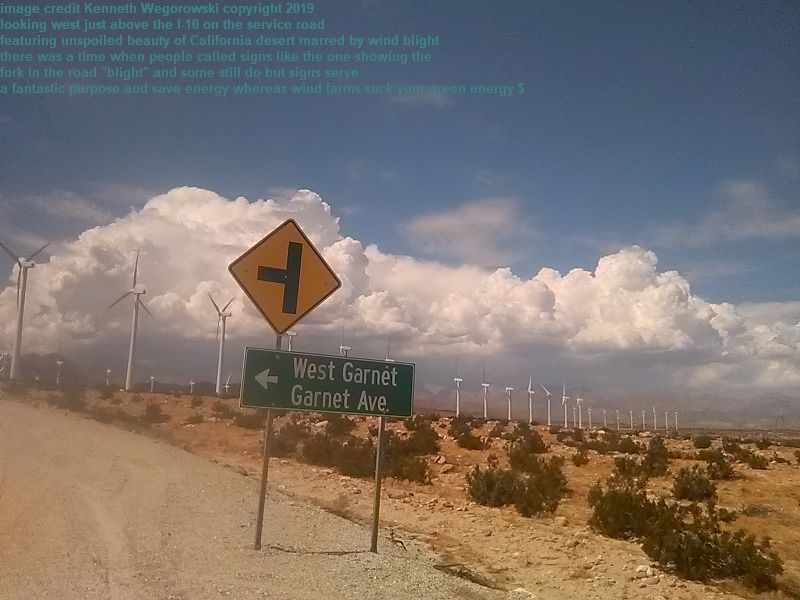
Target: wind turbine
<point x="589" y="409"/>
<point x="666" y="421"/>
<point x="152" y="383"/>
<point x="508" y="393"/>
<point x="654" y="419"/>
<point x="191" y="386"/>
<point x="617" y="418"/>
<point x="531" y="393"/>
<point x="579" y="403"/>
<point x="23" y="265"/>
<point x="548" y="394"/>
<point x="630" y="411"/>
<point x="564" y="399"/>
<point x="458" y="381"/>
<point x="227" y="383"/>
<point x="676" y="420"/>
<point x="343" y="350"/>
<point x="605" y="423"/>
<point x="388" y="347"/>
<point x="137" y="291"/>
<point x="108" y="377"/>
<point x="574" y="417"/>
<point x="485" y="387"/>
<point x="59" y="362"/>
<point x="644" y="426"/>
<point x="222" y="318"/>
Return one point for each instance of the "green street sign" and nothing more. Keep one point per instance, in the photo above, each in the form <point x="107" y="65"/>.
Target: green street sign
<point x="322" y="383"/>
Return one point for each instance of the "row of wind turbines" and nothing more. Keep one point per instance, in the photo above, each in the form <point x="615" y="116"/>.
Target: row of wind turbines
<point x="136" y="291"/>
<point x="577" y="409"/>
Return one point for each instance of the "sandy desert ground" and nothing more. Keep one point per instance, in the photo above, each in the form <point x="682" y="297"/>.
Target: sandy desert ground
<point x="549" y="556"/>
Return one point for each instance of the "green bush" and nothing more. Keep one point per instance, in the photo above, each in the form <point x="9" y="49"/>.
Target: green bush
<point x="719" y="467"/>
<point x="458" y="426"/>
<point x="791" y="443"/>
<point x="702" y="441"/>
<point x="627" y="467"/>
<point x="763" y="443"/>
<point x="285" y="440"/>
<point x="339" y="425"/>
<point x="422" y="441"/>
<point x="694" y="484"/>
<point x="197" y="401"/>
<point x="154" y="414"/>
<point x="469" y="441"/>
<point x="409" y="468"/>
<point x="253" y="420"/>
<point x="580" y="458"/>
<point x="656" y="458"/>
<point x="685" y="539"/>
<point x="522" y="451"/>
<point x="354" y="457"/>
<point x="223" y="411"/>
<point x="497" y="431"/>
<point x="414" y="421"/>
<point x="536" y="491"/>
<point x="628" y="446"/>
<point x="744" y="455"/>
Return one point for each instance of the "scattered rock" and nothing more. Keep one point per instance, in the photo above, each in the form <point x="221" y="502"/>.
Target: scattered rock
<point x="399" y="494"/>
<point x="521" y="594"/>
<point x="320" y="424"/>
<point x="560" y="521"/>
<point x="447" y="469"/>
<point x="440" y="460"/>
<point x="642" y="568"/>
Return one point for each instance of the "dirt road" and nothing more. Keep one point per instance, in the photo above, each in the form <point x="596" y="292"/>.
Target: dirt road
<point x="90" y="511"/>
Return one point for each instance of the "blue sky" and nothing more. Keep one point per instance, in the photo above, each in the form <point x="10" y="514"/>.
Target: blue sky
<point x="674" y="126"/>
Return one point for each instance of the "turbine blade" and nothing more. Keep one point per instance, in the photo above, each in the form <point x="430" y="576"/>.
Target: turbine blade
<point x="142" y="304"/>
<point x="39" y="250"/>
<point x="13" y="256"/>
<point x="228" y="304"/>
<point x="228" y="380"/>
<point x="214" y="303"/>
<point x="135" y="269"/>
<point x="125" y="295"/>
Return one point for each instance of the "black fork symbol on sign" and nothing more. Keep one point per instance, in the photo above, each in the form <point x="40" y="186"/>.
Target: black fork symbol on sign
<point x="289" y="277"/>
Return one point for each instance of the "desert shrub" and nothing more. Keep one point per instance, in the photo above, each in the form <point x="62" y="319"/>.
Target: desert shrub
<point x="106" y="394"/>
<point x="686" y="539"/>
<point x="339" y="425"/>
<point x="194" y="419"/>
<point x="101" y="414"/>
<point x="286" y="439"/>
<point x="354" y="457"/>
<point x="763" y="443"/>
<point x="791" y="443"/>
<point x="458" y="426"/>
<point x="414" y="421"/>
<point x="562" y="435"/>
<point x="422" y="441"/>
<point x="628" y="446"/>
<point x="779" y="459"/>
<point x="599" y="446"/>
<point x="522" y="451"/>
<point x="497" y="431"/>
<point x="115" y="400"/>
<point x="797" y="455"/>
<point x="702" y="441"/>
<point x="136" y="398"/>
<point x="409" y="468"/>
<point x="254" y="420"/>
<point x="719" y="467"/>
<point x="656" y="458"/>
<point x="223" y="411"/>
<point x="693" y="484"/>
<point x="627" y="467"/>
<point x="16" y="388"/>
<point x="554" y="429"/>
<point x="756" y="510"/>
<point x="402" y="456"/>
<point x="469" y="441"/>
<point x="197" y="401"/>
<point x="744" y="455"/>
<point x="580" y="458"/>
<point x="577" y="435"/>
<point x="533" y="492"/>
<point x="755" y="461"/>
<point x="154" y="414"/>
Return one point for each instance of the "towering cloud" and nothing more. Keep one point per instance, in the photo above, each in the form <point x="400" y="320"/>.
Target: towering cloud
<point x="602" y="322"/>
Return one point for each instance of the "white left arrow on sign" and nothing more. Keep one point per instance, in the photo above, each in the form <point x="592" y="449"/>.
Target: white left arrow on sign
<point x="264" y="378"/>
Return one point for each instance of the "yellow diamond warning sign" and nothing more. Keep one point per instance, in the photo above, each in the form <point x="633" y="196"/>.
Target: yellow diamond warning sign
<point x="284" y="276"/>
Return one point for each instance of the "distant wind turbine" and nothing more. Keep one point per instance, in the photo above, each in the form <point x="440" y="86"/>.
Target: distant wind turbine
<point x="644" y="426"/>
<point x="485" y="387"/>
<point x="548" y="394"/>
<point x="152" y="383"/>
<point x="222" y="317"/>
<point x="654" y="419"/>
<point x="457" y="380"/>
<point x="579" y="403"/>
<point x="23" y="265"/>
<point x="388" y="348"/>
<point x="227" y="383"/>
<point x="531" y="393"/>
<point x="589" y="410"/>
<point x="631" y="412"/>
<point x="605" y="423"/>
<point x="564" y="399"/>
<point x="666" y="420"/>
<point x="191" y="386"/>
<point x="676" y="421"/>
<point x="617" y="418"/>
<point x="108" y="377"/>
<point x="291" y="335"/>
<point x="137" y="291"/>
<point x="508" y="393"/>
<point x="343" y="350"/>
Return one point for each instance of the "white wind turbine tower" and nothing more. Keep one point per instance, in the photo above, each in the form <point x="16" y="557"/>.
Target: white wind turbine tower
<point x="531" y="393"/>
<point x="137" y="291"/>
<point x="291" y="335"/>
<point x="508" y="394"/>
<point x="191" y="386"/>
<point x="666" y="420"/>
<point x="343" y="350"/>
<point x="108" y="377"/>
<point x="152" y="383"/>
<point x="458" y="381"/>
<point x="654" y="419"/>
<point x="23" y="265"/>
<point x="548" y="394"/>
<point x="631" y="412"/>
<point x="605" y="423"/>
<point x="59" y="362"/>
<point x="676" y="420"/>
<point x="644" y="426"/>
<point x="579" y="403"/>
<point x="564" y="399"/>
<point x="388" y="347"/>
<point x="222" y="317"/>
<point x="574" y="417"/>
<point x="617" y="418"/>
<point x="589" y="410"/>
<point x="485" y="387"/>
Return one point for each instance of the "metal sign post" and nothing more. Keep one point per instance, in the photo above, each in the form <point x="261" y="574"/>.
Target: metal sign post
<point x="376" y="506"/>
<point x="265" y="468"/>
